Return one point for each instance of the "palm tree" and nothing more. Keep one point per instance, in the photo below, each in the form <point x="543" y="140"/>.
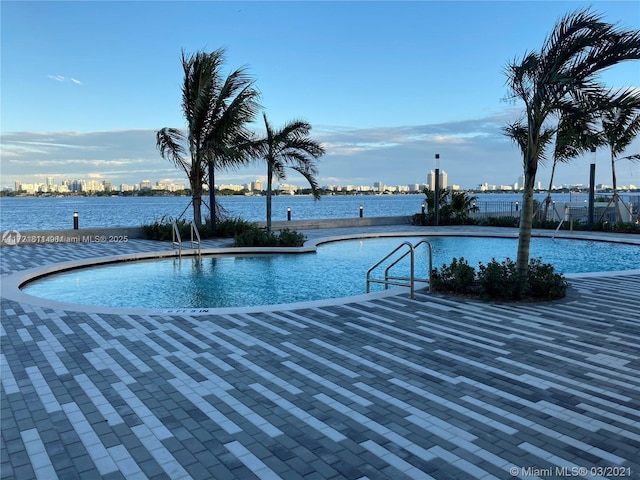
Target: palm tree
<point x="461" y="205"/>
<point x="430" y="199"/>
<point x="290" y="146"/>
<point x="575" y="135"/>
<point x="620" y="126"/>
<point x="217" y="111"/>
<point x="562" y="77"/>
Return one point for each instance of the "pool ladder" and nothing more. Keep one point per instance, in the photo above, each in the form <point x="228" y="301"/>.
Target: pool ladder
<point x="401" y="281"/>
<point x="176" y="238"/>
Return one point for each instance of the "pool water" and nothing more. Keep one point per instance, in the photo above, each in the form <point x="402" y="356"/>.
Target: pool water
<point x="338" y="269"/>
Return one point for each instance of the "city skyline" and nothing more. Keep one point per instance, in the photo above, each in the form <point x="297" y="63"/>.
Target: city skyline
<point x="94" y="186"/>
<point x="382" y="104"/>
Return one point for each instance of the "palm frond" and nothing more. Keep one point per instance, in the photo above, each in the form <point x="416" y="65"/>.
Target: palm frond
<point x="169" y="141"/>
<point x="632" y="158"/>
<point x="311" y="179"/>
<point x="621" y="120"/>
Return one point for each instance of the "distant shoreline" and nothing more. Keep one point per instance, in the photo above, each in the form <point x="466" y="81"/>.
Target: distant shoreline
<point x="8" y="194"/>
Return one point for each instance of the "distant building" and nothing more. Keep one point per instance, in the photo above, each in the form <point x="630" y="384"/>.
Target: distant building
<point x="92" y="186"/>
<point x="232" y="187"/>
<point x="432" y="180"/>
<point x="257" y="186"/>
<point x="285" y="188"/>
<point x="145" y="185"/>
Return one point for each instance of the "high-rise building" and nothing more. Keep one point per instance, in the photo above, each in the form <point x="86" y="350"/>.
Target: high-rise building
<point x="257" y="185"/>
<point x="432" y="180"/>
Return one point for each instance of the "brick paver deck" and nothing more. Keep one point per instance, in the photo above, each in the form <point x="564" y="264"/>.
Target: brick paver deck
<point x="434" y="387"/>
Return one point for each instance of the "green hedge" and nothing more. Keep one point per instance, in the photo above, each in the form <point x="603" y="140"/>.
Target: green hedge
<point x="499" y="281"/>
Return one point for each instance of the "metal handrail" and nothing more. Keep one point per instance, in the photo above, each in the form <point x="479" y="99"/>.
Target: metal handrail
<point x="428" y="244"/>
<point x="401" y="281"/>
<point x="412" y="278"/>
<point x="194" y="230"/>
<point x="175" y="235"/>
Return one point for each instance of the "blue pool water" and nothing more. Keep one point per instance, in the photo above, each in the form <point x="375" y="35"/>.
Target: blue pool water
<point x="338" y="269"/>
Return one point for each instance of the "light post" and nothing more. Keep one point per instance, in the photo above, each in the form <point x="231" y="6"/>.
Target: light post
<point x="592" y="190"/>
<point x="75" y="220"/>
<point x="288" y="214"/>
<point x="436" y="193"/>
<point x="361" y="211"/>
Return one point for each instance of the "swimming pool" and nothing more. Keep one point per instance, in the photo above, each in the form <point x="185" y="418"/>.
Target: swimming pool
<point x="337" y="269"/>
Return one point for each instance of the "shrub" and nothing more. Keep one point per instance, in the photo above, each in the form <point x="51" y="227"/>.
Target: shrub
<point x="291" y="238"/>
<point x="500" y="281"/>
<point x="162" y="229"/>
<point x="499" y="222"/>
<point x="255" y="236"/>
<point x="457" y="277"/>
<point x="230" y="227"/>
<point x="543" y="282"/>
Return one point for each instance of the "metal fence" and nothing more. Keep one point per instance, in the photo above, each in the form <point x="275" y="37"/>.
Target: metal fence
<point x="604" y="211"/>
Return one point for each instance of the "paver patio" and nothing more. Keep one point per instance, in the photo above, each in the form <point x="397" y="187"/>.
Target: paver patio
<point x="435" y="387"/>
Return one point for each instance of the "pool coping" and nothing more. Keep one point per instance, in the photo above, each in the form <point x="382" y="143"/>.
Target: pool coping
<point x="12" y="283"/>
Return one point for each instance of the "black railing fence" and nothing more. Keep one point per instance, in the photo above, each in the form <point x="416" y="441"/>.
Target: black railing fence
<point x="604" y="210"/>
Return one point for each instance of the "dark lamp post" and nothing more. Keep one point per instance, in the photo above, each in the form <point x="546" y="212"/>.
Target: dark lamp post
<point x="436" y="193"/>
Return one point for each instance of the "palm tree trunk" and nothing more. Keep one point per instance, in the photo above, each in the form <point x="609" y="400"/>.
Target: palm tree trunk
<point x="615" y="188"/>
<point x="197" y="203"/>
<point x="547" y="201"/>
<point x="526" y="214"/>
<point x="269" y="181"/>
<point x="212" y="197"/>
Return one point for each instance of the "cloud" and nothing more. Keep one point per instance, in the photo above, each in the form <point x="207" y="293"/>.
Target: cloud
<point x="60" y="78"/>
<point x="472" y="152"/>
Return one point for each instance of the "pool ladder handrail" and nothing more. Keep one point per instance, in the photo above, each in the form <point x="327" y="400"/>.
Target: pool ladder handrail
<point x="194" y="231"/>
<point x="176" y="238"/>
<point x="401" y="281"/>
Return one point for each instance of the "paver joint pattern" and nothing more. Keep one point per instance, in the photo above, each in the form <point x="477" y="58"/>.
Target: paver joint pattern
<point x="395" y="388"/>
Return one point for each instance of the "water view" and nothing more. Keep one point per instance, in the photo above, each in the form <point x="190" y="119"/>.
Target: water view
<point x="43" y="213"/>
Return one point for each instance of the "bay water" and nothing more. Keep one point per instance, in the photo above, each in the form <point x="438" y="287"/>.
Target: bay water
<point x="52" y="213"/>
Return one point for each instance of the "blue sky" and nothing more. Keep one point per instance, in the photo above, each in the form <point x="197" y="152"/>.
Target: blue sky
<point x="386" y="85"/>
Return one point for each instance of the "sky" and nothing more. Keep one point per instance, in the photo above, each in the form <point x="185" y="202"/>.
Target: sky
<point x="385" y="85"/>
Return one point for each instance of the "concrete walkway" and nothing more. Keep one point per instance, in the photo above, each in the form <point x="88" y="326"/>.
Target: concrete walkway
<point x="390" y="387"/>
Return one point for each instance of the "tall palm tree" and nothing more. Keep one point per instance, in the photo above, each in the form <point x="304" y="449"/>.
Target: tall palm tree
<point x="289" y="146"/>
<point x="562" y="77"/>
<point x="217" y="111"/>
<point x="620" y="126"/>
